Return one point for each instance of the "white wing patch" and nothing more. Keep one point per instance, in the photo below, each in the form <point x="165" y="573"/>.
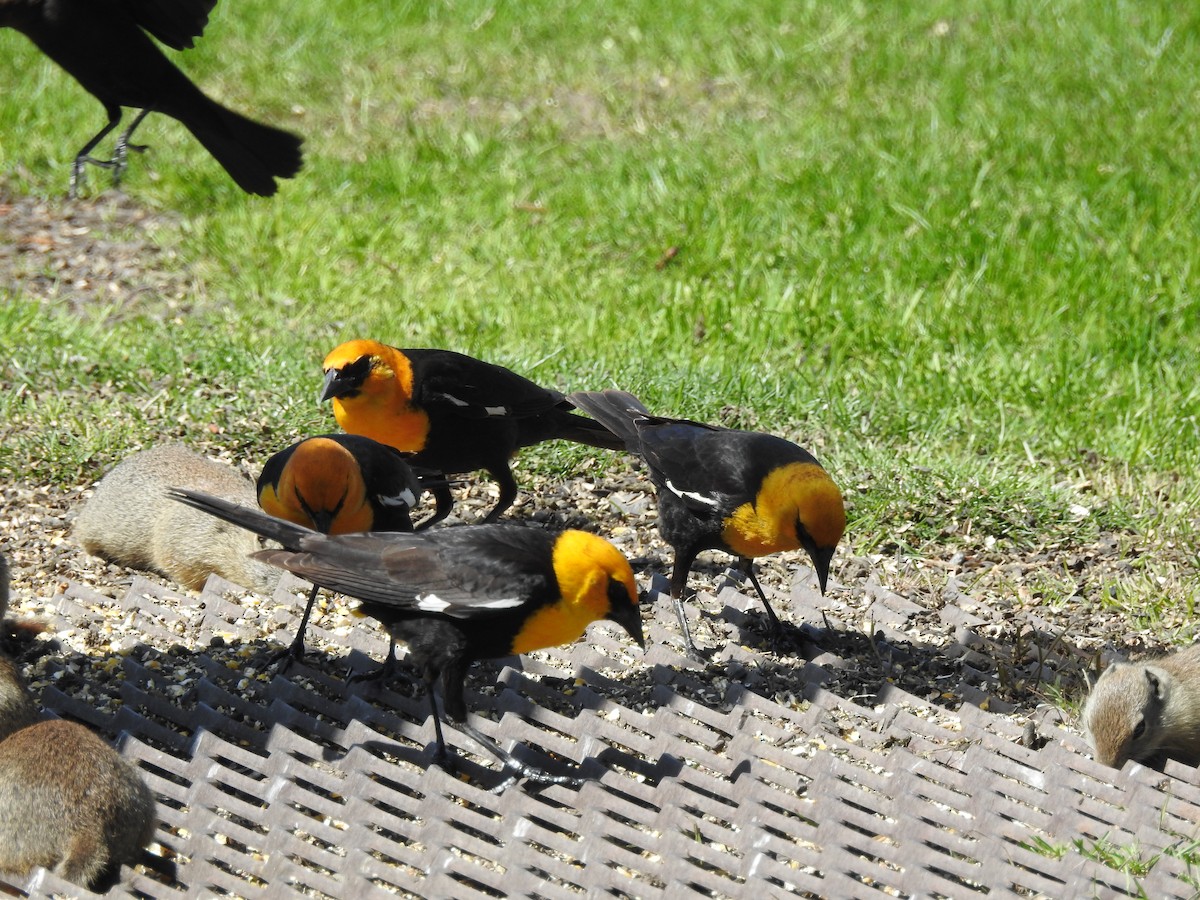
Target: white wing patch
<point x="699" y="498"/>
<point x="432" y="603"/>
<point x="405" y="498"/>
<point x="503" y="603"/>
<point x="435" y="604"/>
<point x="488" y="410"/>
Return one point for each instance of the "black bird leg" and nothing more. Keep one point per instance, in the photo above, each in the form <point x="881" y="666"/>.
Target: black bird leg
<point x="508" y="492"/>
<point x="688" y="644"/>
<point x="385" y="672"/>
<point x="683" y="565"/>
<point x="441" y="756"/>
<point x="456" y="711"/>
<point x="445" y="503"/>
<point x="747" y="567"/>
<point x="122" y="148"/>
<point x="82" y="158"/>
<point x="294" y="652"/>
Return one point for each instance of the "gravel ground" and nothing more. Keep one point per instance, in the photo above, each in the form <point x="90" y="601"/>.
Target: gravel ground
<point x="102" y="256"/>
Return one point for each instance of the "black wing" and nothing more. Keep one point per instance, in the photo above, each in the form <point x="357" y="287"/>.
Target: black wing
<point x="177" y="23"/>
<point x="455" y="383"/>
<point x="713" y="468"/>
<point x="442" y="573"/>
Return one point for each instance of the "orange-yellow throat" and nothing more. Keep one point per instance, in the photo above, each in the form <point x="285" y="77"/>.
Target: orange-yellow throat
<point x="797" y="492"/>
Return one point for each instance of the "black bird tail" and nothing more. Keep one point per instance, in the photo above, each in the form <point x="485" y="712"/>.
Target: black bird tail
<point x="617" y="411"/>
<point x="286" y="533"/>
<point x="570" y="427"/>
<point x="252" y="153"/>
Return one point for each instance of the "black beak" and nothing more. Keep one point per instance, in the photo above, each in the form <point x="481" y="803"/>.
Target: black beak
<point x="331" y="387"/>
<point x="822" y="557"/>
<point x="627" y="615"/>
<point x="322" y="520"/>
<point x="634" y="627"/>
<point x="347" y="379"/>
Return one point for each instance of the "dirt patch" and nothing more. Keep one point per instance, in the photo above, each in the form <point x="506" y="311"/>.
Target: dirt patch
<point x="92" y="257"/>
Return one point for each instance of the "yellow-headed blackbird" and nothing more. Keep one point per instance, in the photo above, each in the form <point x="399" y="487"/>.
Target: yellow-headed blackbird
<point x="454" y="413"/>
<point x="743" y="492"/>
<point x="105" y="45"/>
<point x="460" y="594"/>
<point x="337" y="484"/>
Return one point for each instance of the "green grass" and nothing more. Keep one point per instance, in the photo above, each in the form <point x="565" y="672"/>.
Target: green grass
<point x="1130" y="859"/>
<point x="950" y="246"/>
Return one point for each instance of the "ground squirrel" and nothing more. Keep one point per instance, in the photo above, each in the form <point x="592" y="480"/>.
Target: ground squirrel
<point x="1140" y="710"/>
<point x="129" y="520"/>
<point x="68" y="801"/>
<point x="17" y="708"/>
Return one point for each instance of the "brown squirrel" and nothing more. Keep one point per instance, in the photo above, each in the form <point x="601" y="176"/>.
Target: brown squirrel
<point x="1146" y="709"/>
<point x="129" y="520"/>
<point x="17" y="708"/>
<point x="68" y="801"/>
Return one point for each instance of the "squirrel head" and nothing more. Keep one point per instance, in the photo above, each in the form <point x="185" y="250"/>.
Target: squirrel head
<point x="1123" y="715"/>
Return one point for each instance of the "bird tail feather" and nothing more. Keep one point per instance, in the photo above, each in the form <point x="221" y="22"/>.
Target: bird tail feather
<point x="618" y="411"/>
<point x="254" y="154"/>
<point x="288" y="534"/>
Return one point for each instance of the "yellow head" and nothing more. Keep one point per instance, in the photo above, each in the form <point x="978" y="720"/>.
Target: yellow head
<point x="320" y="486"/>
<point x="595" y="582"/>
<point x="371" y="386"/>
<point x="798" y="505"/>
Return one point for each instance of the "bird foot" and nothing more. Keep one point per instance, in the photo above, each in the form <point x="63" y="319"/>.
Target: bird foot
<point x="78" y="172"/>
<point x="690" y="650"/>
<point x="284" y="659"/>
<point x="380" y="674"/>
<point x="695" y="654"/>
<point x="777" y="638"/>
<point x="521" y="772"/>
<point x="517" y="770"/>
<point x="120" y="158"/>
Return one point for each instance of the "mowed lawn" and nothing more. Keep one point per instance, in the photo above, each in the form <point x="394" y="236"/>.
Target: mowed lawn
<point x="948" y="246"/>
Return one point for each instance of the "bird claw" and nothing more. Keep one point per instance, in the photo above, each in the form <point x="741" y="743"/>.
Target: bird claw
<point x="119" y="161"/>
<point x="517" y="770"/>
<point x="79" y="169"/>
<point x="694" y="653"/>
<point x="286" y="657"/>
<point x="444" y="759"/>
<point x="382" y="673"/>
<point x="537" y="776"/>
<point x="701" y="657"/>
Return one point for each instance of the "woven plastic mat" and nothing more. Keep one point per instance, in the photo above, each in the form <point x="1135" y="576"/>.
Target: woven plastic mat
<point x="703" y="782"/>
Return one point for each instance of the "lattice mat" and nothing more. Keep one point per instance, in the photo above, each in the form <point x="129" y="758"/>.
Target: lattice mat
<point x="702" y="784"/>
